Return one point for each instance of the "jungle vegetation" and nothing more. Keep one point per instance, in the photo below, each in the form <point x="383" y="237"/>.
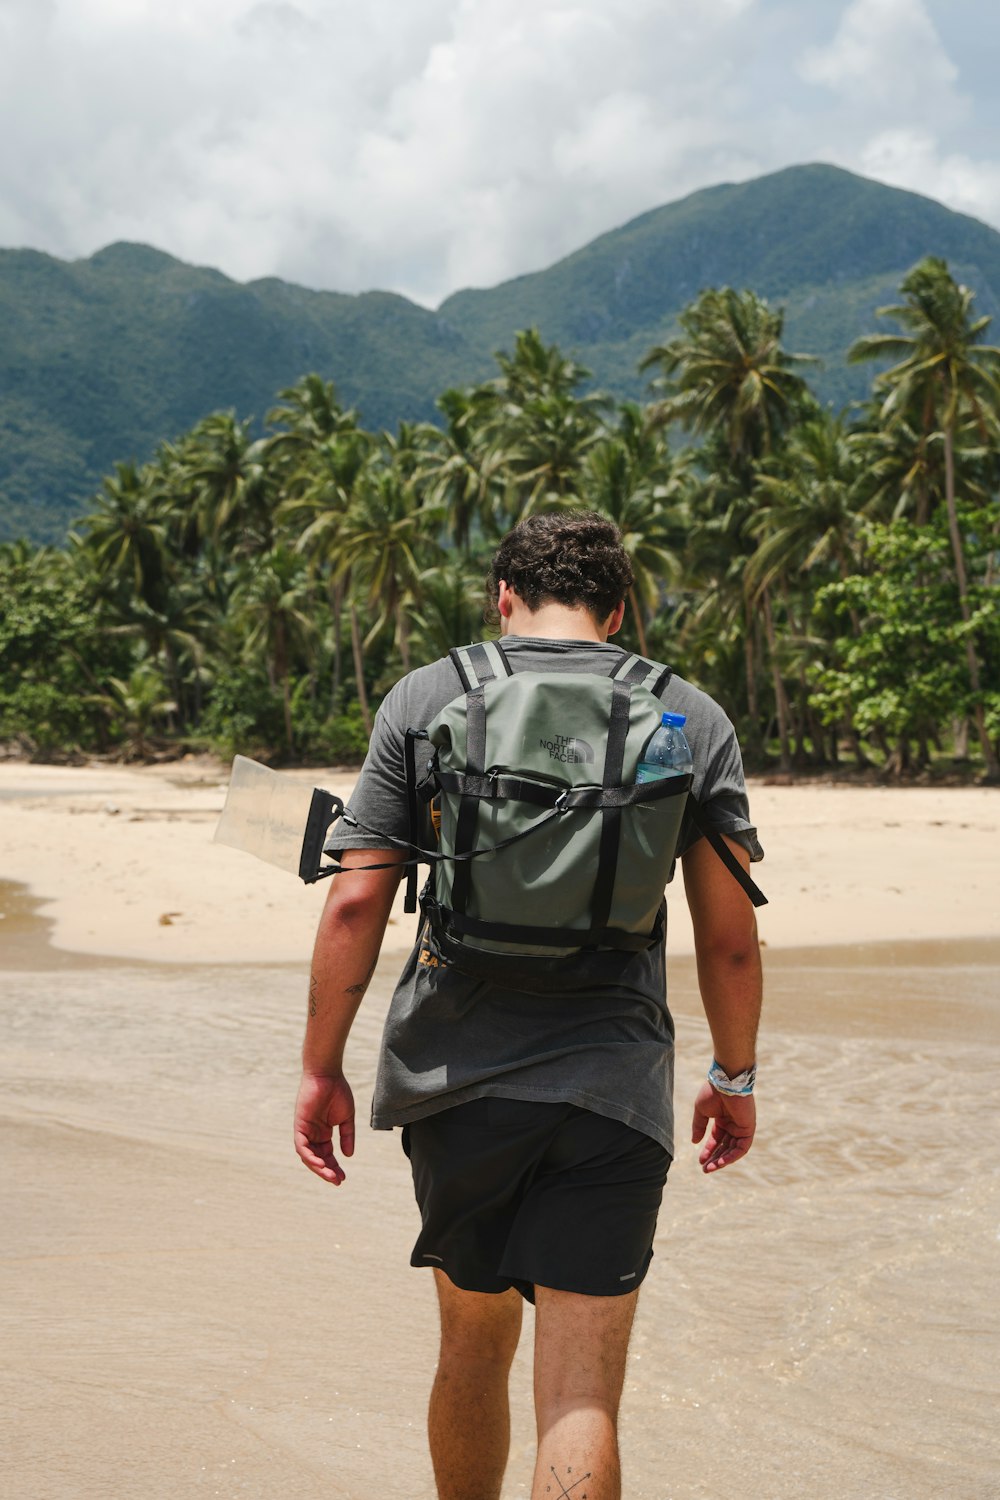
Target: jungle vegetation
<point x="832" y="579"/>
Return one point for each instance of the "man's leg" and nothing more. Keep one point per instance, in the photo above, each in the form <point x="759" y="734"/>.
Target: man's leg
<point x="469" y="1418"/>
<point x="581" y="1344"/>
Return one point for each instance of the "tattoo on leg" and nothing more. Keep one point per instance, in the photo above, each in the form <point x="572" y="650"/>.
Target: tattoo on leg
<point x="362" y="985"/>
<point x="563" y="1492"/>
<point x="313" y="988"/>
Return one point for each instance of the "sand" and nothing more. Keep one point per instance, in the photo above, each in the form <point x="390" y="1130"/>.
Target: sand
<point x="124" y="862"/>
<point x="189" y="1312"/>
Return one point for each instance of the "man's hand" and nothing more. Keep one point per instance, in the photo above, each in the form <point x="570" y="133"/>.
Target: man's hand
<point x="734" y="1119"/>
<point x="325" y="1102"/>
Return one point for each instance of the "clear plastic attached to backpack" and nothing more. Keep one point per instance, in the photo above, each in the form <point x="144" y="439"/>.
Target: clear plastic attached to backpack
<point x="277" y="818"/>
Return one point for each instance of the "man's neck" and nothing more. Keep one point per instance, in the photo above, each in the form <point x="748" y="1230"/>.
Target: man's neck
<point x="553" y="622"/>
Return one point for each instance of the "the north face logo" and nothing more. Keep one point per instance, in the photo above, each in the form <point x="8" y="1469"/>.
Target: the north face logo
<point x="569" y="749"/>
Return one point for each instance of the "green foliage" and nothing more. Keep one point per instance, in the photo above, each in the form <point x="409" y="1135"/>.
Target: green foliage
<point x="340" y="741"/>
<point x="904" y="670"/>
<point x="54" y="651"/>
<point x="244" y="714"/>
<point x="829" y="581"/>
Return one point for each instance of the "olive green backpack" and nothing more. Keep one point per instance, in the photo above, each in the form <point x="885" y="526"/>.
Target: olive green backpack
<point x="551" y="861"/>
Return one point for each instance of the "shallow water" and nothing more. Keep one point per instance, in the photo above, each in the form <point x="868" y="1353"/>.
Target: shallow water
<point x="190" y="1312"/>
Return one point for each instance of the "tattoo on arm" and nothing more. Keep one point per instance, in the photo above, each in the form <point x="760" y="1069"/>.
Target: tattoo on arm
<point x="313" y="988"/>
<point x="362" y="985"/>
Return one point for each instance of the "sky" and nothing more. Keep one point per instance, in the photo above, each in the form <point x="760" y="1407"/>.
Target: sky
<point x="421" y="146"/>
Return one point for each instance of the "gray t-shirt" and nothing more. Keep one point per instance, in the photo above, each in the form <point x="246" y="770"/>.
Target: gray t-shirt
<point x="449" y="1038"/>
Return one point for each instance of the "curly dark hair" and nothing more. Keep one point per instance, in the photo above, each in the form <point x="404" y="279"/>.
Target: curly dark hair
<point x="568" y="558"/>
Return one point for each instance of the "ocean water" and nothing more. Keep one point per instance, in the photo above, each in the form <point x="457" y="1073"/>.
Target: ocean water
<point x="187" y="1311"/>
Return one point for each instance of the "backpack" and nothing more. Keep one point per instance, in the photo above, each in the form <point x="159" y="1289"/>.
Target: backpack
<point x="551" y="861"/>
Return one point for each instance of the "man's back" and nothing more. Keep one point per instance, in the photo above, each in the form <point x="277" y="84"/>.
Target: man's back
<point x="607" y="1047"/>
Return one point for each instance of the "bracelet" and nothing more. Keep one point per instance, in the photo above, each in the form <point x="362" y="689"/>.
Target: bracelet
<point x="738" y="1086"/>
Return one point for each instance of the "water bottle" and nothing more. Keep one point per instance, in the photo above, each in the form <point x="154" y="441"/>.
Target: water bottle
<point x="668" y="752"/>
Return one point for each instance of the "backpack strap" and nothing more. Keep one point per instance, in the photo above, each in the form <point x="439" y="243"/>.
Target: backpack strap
<point x="410" y="764"/>
<point x="705" y="826"/>
<point x="638" y="671"/>
<point x="468" y="807"/>
<point x="481" y="662"/>
<point x="611" y="816"/>
<point x="476" y="665"/>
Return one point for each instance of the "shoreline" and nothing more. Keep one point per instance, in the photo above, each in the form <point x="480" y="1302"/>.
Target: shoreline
<point x="122" y="864"/>
<point x="161" y="1232"/>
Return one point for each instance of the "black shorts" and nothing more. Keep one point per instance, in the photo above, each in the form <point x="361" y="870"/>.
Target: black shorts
<point x="520" y="1193"/>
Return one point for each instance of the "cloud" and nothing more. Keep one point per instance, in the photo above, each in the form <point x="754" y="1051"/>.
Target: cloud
<point x="439" y="144"/>
<point x="913" y="159"/>
<point x="432" y="144"/>
<point x="902" y="105"/>
<point x="887" y="59"/>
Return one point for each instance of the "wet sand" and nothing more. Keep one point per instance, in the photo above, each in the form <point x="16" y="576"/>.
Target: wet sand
<point x="189" y="1312"/>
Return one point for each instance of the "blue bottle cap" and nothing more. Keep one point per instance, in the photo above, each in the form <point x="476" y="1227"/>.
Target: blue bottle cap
<point x="676" y="719"/>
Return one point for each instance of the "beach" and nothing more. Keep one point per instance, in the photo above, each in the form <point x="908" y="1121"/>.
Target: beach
<point x="188" y="1311"/>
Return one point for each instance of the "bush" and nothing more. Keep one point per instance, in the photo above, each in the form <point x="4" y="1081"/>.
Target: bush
<point x="244" y="716"/>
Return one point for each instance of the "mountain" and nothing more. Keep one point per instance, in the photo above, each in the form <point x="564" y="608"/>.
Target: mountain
<point x="102" y="358"/>
<point x="826" y="245"/>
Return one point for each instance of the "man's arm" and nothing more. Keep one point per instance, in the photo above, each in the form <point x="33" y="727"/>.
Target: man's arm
<point x="348" y="940"/>
<point x="729" y="977"/>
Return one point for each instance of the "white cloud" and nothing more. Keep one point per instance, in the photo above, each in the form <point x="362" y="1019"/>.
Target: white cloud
<point x="887" y="59"/>
<point x="902" y="105"/>
<point x="912" y="159"/>
<point x="424" y="145"/>
<point x="443" y="143"/>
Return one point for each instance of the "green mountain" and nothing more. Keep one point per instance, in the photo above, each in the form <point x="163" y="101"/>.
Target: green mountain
<point x="824" y="244"/>
<point x="102" y="358"/>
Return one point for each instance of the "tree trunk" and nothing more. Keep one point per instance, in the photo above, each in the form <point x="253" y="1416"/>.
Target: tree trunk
<point x="337" y="610"/>
<point x="281" y="672"/>
<point x="359" y="669"/>
<point x="640" y="628"/>
<point x="899" y="759"/>
<point x="960" y="737"/>
<point x="403" y="638"/>
<point x="854" y="740"/>
<point x="286" y="701"/>
<point x="176" y="718"/>
<point x="978" y="707"/>
<point x="780" y="698"/>
<point x="753" y="706"/>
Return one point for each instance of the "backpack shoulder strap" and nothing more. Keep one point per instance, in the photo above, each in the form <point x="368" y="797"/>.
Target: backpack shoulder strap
<point x="479" y="663"/>
<point x="638" y="671"/>
<point x="704" y="825"/>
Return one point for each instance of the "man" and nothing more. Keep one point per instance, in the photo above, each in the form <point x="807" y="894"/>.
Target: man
<point x="539" y="1127"/>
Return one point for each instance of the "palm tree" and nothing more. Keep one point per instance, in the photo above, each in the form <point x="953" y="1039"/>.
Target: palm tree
<point x="536" y="427"/>
<point x="127" y="536"/>
<point x="230" y="484"/>
<point x="943" y="373"/>
<point x="459" y="469"/>
<point x="808" y="506"/>
<point x="326" y="484"/>
<point x="809" y="502"/>
<point x="272" y="603"/>
<point x="388" y="535"/>
<point x="311" y="415"/>
<point x="536" y="369"/>
<point x="728" y="379"/>
<point x="448" y="609"/>
<point x="727" y="374"/>
<point x="629" y="476"/>
<point x="133" y="704"/>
